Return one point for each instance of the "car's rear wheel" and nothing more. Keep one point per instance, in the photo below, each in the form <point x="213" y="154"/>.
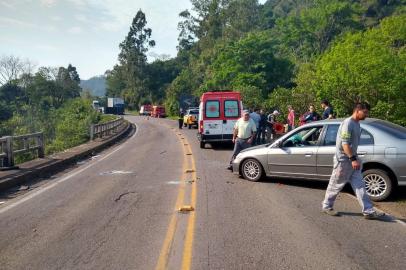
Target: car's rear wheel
<point x="251" y="169"/>
<point x="378" y="184"/>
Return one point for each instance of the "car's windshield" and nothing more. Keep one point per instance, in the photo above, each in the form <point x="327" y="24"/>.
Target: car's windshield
<point x="305" y="137"/>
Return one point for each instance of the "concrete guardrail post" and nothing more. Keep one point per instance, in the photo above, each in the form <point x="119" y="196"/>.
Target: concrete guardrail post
<point x="91" y="132"/>
<point x="9" y="160"/>
<point x="41" y="145"/>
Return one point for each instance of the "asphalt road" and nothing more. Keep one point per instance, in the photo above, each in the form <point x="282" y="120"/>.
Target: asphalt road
<point x="120" y="211"/>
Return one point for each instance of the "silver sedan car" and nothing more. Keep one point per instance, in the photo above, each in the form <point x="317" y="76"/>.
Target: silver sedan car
<point x="307" y="153"/>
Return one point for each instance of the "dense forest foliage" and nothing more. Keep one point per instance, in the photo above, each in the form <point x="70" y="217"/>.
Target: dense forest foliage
<point x="281" y="52"/>
<point x="48" y="100"/>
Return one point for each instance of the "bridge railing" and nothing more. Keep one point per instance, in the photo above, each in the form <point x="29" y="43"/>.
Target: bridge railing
<point x="105" y="129"/>
<point x="12" y="145"/>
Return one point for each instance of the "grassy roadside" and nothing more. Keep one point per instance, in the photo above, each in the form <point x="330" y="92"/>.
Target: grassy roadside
<point x="132" y="112"/>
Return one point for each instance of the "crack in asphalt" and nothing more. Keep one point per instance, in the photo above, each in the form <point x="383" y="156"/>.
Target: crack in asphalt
<point x="123" y="194"/>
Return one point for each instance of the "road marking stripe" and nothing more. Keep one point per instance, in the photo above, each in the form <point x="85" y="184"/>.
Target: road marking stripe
<point x="52" y="185"/>
<point x="188" y="242"/>
<point x="170" y="234"/>
<point x="188" y="245"/>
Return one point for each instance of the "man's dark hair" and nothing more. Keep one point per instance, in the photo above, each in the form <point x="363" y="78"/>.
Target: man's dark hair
<point x="361" y="106"/>
<point x="325" y="102"/>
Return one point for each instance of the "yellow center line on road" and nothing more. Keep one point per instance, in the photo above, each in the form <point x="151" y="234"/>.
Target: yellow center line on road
<point x="188" y="245"/>
<point x="188" y="242"/>
<point x="164" y="254"/>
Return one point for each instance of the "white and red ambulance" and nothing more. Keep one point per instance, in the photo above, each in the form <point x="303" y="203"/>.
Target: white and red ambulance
<point x="218" y="112"/>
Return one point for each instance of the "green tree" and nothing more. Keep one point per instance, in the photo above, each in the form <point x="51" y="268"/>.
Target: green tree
<point x="308" y="32"/>
<point x="365" y="66"/>
<point x="115" y="81"/>
<point x="133" y="59"/>
<point x="249" y="62"/>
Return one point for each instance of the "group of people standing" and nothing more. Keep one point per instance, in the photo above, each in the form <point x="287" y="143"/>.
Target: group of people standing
<point x="265" y="123"/>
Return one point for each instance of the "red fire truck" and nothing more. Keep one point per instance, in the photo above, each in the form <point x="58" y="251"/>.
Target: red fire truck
<point x="158" y="111"/>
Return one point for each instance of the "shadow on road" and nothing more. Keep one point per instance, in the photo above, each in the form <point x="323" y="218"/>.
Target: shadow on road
<point x="313" y="184"/>
<point x="398" y="196"/>
<point x="220" y="146"/>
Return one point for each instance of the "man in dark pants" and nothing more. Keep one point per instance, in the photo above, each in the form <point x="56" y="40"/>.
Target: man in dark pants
<point x="180" y="119"/>
<point x="262" y="127"/>
<point x="243" y="135"/>
<point x="348" y="167"/>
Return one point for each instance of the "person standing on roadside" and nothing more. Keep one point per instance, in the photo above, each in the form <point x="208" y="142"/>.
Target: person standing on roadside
<point x="271" y="120"/>
<point x="262" y="127"/>
<point x="311" y="115"/>
<point x="347" y="166"/>
<point x="243" y="135"/>
<point x="256" y="118"/>
<point x="180" y="119"/>
<point x="291" y="118"/>
<point x="327" y="110"/>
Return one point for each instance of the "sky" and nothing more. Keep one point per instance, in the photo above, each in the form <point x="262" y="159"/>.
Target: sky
<point x="84" y="33"/>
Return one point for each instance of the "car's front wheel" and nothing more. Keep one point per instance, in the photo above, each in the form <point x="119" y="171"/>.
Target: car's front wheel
<point x="378" y="184"/>
<point x="251" y="169"/>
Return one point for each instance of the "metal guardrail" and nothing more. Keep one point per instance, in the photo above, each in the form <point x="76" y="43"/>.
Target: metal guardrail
<point x="12" y="145"/>
<point x="105" y="129"/>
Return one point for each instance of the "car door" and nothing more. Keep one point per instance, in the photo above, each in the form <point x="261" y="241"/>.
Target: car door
<point x="231" y="114"/>
<point x="296" y="157"/>
<point x="212" y="125"/>
<point x="326" y="151"/>
<point x="366" y="149"/>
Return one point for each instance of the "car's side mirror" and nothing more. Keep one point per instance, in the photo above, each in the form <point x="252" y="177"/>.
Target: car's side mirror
<point x="279" y="144"/>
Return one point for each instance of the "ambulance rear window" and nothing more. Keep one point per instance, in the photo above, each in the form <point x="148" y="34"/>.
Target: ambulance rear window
<point x="231" y="108"/>
<point x="212" y="109"/>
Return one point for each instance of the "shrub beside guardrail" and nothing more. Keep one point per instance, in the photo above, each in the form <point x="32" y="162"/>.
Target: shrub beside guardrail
<point x="12" y="145"/>
<point x="105" y="129"/>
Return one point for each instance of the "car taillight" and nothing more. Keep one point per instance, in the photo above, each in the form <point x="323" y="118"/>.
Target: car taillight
<point x="201" y="126"/>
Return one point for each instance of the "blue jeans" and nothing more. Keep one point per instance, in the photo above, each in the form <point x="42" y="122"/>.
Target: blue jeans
<point x="342" y="174"/>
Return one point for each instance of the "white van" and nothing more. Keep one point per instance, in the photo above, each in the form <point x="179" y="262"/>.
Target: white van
<point x="218" y="112"/>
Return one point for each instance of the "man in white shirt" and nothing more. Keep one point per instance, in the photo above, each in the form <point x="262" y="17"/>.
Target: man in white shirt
<point x="243" y="135"/>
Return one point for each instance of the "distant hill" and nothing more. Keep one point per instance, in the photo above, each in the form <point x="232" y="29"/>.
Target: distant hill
<point x="96" y="85"/>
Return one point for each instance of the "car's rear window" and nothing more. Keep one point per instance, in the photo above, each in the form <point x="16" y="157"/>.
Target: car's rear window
<point x="194" y="112"/>
<point x="212" y="109"/>
<point x="393" y="129"/>
<point x="231" y="108"/>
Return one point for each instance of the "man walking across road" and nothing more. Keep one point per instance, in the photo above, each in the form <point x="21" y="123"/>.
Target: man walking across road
<point x="347" y="166"/>
<point x="243" y="135"/>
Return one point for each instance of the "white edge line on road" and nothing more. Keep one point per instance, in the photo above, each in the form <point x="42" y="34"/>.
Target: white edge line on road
<point x="41" y="190"/>
<point x="392" y="217"/>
